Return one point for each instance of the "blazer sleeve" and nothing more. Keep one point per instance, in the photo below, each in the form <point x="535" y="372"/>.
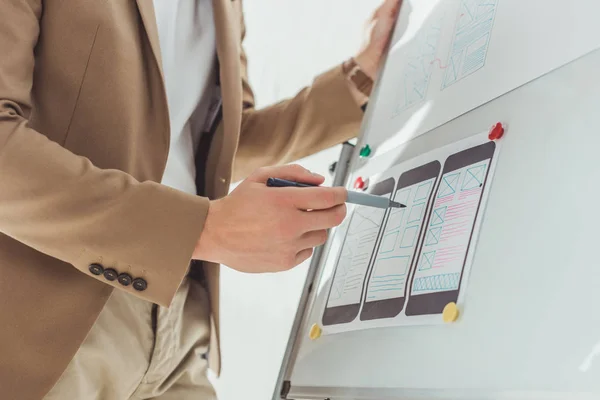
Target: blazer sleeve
<point x="60" y="204"/>
<point x="318" y="117"/>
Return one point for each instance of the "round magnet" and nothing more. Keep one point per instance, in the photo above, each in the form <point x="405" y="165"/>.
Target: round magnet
<point x="496" y="132"/>
<point x="315" y="332"/>
<point x="365" y="151"/>
<point x="450" y="313"/>
<point x="359" y="183"/>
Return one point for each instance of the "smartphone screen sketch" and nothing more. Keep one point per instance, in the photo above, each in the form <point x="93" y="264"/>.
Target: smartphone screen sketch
<point x="386" y="287"/>
<point x="346" y="290"/>
<point x="449" y="230"/>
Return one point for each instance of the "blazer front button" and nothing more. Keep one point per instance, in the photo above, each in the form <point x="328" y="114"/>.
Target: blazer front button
<point x="96" y="269"/>
<point x="140" y="284"/>
<point x="110" y="274"/>
<point x="125" y="279"/>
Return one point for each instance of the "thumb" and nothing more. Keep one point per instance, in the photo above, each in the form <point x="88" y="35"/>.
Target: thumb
<point x="292" y="172"/>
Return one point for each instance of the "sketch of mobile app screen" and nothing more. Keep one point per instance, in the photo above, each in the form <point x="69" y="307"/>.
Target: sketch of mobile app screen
<point x="443" y="254"/>
<point x="386" y="287"/>
<point x="346" y="290"/>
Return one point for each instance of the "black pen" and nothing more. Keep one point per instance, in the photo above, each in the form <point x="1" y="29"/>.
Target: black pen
<point x="363" y="199"/>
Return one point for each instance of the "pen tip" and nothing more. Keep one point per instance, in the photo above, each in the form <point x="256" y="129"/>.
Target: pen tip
<point x="395" y="204"/>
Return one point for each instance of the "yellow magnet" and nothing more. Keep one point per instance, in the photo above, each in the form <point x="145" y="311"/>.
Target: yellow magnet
<point x="450" y="313"/>
<point x="315" y="332"/>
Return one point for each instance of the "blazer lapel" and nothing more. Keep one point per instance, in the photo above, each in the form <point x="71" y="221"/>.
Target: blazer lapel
<point x="219" y="163"/>
<point x="146" y="9"/>
<point x="228" y="38"/>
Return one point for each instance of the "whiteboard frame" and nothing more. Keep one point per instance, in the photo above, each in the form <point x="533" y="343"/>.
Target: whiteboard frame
<point x="332" y="393"/>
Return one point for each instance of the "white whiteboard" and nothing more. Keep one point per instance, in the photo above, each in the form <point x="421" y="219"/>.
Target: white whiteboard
<point x="530" y="327"/>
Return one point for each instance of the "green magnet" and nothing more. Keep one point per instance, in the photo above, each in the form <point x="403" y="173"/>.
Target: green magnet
<point x="365" y="151"/>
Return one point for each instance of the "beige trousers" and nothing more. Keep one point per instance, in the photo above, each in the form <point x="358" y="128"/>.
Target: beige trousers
<point x="139" y="351"/>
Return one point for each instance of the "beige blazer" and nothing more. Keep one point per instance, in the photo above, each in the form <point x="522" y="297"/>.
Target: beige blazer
<point x="84" y="134"/>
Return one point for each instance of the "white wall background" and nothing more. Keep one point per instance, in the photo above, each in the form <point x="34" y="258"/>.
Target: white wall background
<point x="288" y="44"/>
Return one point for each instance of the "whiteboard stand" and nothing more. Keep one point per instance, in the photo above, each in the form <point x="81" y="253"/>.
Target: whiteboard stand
<point x="282" y="386"/>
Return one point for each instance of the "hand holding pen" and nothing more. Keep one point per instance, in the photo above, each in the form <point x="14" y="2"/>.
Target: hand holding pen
<point x="259" y="229"/>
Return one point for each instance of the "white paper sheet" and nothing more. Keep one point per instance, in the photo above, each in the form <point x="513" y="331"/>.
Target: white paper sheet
<point x="402" y="266"/>
<point x="451" y="56"/>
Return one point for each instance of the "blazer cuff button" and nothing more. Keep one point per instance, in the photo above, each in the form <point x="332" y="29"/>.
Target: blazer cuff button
<point x="125" y="279"/>
<point x="96" y="269"/>
<point x="110" y="274"/>
<point x="140" y="284"/>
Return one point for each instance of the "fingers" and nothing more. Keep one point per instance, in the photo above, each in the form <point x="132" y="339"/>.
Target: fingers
<point x="324" y="219"/>
<point x="389" y="8"/>
<point x="396" y="4"/>
<point x="303" y="256"/>
<point x="392" y="5"/>
<point x="318" y="198"/>
<point x="313" y="239"/>
<point x="308" y="242"/>
<point x="292" y="172"/>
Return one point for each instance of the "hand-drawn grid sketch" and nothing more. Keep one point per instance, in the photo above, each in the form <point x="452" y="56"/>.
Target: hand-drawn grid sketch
<point x="437" y="282"/>
<point x="471" y="40"/>
<point x="356" y="252"/>
<point x="418" y="67"/>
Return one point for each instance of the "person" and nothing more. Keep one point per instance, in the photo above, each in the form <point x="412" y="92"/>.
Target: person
<point x="122" y="124"/>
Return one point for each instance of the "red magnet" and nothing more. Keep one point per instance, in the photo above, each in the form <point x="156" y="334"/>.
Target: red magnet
<point x="496" y="132"/>
<point x="359" y="183"/>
